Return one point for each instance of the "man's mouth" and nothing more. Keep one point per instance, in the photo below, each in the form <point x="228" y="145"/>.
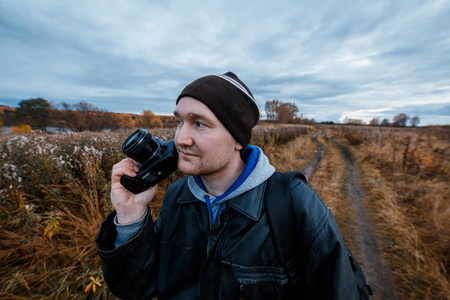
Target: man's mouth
<point x="186" y="153"/>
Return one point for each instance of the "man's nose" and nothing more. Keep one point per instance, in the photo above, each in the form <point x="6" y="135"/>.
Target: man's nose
<point x="183" y="136"/>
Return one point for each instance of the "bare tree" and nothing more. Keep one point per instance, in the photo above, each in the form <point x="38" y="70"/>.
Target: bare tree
<point x="414" y="121"/>
<point x="374" y="122"/>
<point x="282" y="112"/>
<point x="271" y="110"/>
<point x="400" y="120"/>
<point x="384" y="122"/>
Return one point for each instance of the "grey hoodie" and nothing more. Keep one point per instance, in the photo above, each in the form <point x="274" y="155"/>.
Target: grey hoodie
<point x="260" y="173"/>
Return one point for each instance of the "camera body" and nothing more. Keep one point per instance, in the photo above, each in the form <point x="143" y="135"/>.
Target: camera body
<point x="157" y="160"/>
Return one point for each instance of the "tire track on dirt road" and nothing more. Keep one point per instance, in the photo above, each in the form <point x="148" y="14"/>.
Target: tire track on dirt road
<point x="311" y="166"/>
<point x="370" y="254"/>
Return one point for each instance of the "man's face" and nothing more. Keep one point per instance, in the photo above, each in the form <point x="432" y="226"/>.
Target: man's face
<point x="205" y="147"/>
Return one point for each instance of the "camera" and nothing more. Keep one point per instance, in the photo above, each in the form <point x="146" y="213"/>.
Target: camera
<point x="157" y="160"/>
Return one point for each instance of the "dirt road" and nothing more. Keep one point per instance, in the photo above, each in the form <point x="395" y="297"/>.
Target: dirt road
<point x="370" y="255"/>
<point x="309" y="168"/>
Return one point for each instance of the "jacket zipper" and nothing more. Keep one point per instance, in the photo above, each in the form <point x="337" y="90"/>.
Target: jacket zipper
<point x="207" y="253"/>
<point x="241" y="292"/>
<point x="222" y="242"/>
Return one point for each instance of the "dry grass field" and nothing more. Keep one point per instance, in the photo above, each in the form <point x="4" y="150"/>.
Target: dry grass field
<point x="54" y="194"/>
<point x="405" y="173"/>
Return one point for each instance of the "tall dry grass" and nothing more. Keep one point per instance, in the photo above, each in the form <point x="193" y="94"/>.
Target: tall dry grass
<point x="292" y="154"/>
<point x="53" y="198"/>
<point x="54" y="194"/>
<point x="406" y="176"/>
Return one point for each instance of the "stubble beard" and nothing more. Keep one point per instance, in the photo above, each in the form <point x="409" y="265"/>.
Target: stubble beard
<point x="200" y="168"/>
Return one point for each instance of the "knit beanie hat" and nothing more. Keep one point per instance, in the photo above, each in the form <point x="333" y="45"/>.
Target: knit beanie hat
<point x="230" y="100"/>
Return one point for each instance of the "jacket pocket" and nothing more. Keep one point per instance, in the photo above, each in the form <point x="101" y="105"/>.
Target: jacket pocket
<point x="260" y="282"/>
<point x="266" y="274"/>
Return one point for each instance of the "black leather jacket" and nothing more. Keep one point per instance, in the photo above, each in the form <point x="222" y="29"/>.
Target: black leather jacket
<point x="180" y="256"/>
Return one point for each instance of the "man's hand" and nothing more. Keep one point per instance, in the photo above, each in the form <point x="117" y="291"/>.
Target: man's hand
<point x="129" y="207"/>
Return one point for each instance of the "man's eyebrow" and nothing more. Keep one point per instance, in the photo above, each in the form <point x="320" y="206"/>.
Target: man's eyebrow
<point x="197" y="116"/>
<point x="192" y="116"/>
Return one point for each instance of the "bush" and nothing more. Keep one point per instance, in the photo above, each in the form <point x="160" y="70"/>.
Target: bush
<point x="24" y="128"/>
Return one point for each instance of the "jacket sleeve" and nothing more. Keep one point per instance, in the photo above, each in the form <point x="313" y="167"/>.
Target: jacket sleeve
<point x="127" y="231"/>
<point x="323" y="256"/>
<point x="131" y="269"/>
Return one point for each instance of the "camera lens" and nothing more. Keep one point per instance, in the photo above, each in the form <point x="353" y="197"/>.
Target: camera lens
<point x="140" y="146"/>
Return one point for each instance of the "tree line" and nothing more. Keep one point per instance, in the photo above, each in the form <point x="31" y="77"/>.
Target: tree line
<point x="399" y="120"/>
<point x="285" y="113"/>
<point x="39" y="114"/>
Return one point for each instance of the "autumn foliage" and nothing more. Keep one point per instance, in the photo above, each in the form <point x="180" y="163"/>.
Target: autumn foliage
<point x="54" y="195"/>
<point x="24" y="128"/>
<point x="82" y="116"/>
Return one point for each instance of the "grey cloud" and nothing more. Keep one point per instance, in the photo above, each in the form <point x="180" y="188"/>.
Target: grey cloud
<point x="442" y="109"/>
<point x="330" y="59"/>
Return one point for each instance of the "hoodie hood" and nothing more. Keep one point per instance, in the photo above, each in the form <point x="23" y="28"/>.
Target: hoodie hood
<point x="257" y="170"/>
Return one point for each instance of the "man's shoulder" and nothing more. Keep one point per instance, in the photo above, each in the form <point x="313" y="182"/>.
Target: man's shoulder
<point x="306" y="199"/>
<point x="298" y="194"/>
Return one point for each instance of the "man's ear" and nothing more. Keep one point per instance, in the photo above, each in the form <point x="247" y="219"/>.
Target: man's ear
<point x="238" y="146"/>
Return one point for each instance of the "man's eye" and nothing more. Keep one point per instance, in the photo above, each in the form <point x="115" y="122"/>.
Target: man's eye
<point x="179" y="122"/>
<point x="200" y="124"/>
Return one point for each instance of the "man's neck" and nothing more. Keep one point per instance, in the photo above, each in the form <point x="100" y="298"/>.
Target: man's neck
<point x="218" y="183"/>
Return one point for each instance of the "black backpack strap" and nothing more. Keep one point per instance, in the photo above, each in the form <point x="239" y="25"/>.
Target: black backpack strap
<point x="279" y="213"/>
<point x="281" y="220"/>
<point x="365" y="290"/>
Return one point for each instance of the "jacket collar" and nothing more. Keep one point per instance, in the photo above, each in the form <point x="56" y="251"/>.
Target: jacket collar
<point x="186" y="195"/>
<point x="249" y="203"/>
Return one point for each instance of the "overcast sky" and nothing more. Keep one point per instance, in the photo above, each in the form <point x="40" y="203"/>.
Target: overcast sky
<point x="333" y="59"/>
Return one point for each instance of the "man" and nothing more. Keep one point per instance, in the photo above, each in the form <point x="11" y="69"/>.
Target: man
<point x="213" y="239"/>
